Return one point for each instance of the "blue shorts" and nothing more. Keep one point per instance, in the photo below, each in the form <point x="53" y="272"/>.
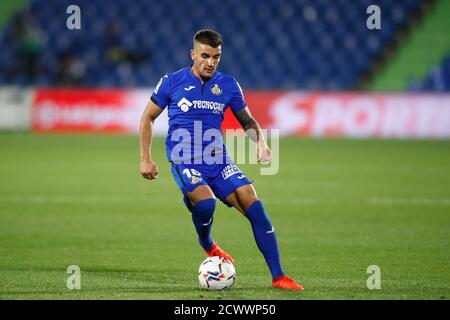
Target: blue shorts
<point x="223" y="179"/>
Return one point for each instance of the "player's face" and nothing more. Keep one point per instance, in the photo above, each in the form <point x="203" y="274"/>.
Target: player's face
<point x="206" y="59"/>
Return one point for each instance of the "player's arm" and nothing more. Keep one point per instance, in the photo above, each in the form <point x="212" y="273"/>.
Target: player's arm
<point x="253" y="130"/>
<point x="149" y="169"/>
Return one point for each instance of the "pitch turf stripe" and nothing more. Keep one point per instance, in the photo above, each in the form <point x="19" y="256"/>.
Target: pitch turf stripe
<point x="75" y="199"/>
<point x="370" y="201"/>
<point x="409" y="201"/>
<point x="377" y="201"/>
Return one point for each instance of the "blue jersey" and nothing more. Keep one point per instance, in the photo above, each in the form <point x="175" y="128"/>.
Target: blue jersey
<point x="194" y="108"/>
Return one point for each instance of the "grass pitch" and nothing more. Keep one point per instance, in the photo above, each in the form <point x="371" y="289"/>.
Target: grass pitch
<point x="338" y="206"/>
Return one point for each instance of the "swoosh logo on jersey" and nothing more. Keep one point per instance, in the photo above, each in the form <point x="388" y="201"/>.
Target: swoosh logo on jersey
<point x="271" y="231"/>
<point x="189" y="88"/>
<point x="241" y="176"/>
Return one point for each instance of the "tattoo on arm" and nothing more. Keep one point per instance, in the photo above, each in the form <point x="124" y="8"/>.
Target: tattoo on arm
<point x="249" y="124"/>
<point x="245" y="119"/>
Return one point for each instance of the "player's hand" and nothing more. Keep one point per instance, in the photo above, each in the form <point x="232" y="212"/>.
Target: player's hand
<point x="149" y="169"/>
<point x="264" y="154"/>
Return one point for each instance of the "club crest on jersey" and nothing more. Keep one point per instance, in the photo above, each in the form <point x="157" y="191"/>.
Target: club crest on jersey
<point x="216" y="89"/>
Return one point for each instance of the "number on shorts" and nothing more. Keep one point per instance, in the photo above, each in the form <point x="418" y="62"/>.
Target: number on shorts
<point x="191" y="172"/>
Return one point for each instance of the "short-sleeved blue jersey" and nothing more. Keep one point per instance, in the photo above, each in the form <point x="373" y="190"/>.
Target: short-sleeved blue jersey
<point x="194" y="108"/>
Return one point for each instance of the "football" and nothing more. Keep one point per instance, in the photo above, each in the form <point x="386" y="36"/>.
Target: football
<point x="216" y="273"/>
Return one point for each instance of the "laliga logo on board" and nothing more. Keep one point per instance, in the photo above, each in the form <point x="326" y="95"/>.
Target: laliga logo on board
<point x="184" y="104"/>
<point x="47" y="115"/>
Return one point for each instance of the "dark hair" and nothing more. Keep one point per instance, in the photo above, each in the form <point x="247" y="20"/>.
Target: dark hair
<point x="208" y="37"/>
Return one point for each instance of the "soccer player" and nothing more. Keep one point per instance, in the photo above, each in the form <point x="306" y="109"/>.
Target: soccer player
<point x="197" y="97"/>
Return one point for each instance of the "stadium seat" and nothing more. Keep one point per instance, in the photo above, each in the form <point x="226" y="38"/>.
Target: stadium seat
<point x="297" y="44"/>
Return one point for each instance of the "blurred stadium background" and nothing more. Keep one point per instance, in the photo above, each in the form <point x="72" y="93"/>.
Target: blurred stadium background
<point x="273" y="49"/>
<point x="311" y="69"/>
<point x="313" y="45"/>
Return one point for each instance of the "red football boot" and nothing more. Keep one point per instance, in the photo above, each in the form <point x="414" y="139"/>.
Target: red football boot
<point x="285" y="282"/>
<point x="217" y="251"/>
